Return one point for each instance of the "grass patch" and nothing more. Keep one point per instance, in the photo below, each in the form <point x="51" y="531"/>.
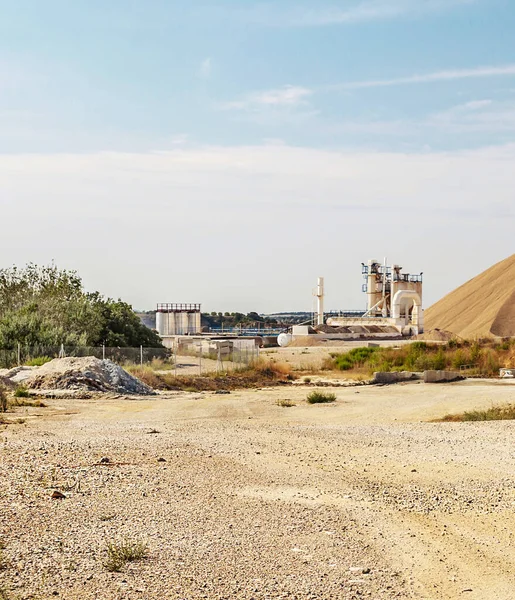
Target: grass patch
<point x="23" y="402"/>
<point x="318" y="397"/>
<point x="39" y="361"/>
<point x="260" y="374"/>
<point x="21" y="392"/>
<point x="285" y="403"/>
<point x="504" y="412"/>
<point x="481" y="358"/>
<point x="119" y="553"/>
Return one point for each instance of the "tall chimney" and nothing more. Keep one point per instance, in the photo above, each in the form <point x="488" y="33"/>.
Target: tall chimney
<point x="320" y="301"/>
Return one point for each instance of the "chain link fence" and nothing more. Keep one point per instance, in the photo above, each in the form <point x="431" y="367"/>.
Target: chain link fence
<point x="37" y="355"/>
<point x="186" y="356"/>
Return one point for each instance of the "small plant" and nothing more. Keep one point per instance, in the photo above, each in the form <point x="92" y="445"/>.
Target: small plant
<point x="307" y="379"/>
<point x="285" y="403"/>
<point x="4" y="594"/>
<point x="318" y="397"/>
<point x="21" y="392"/>
<point x="38" y="361"/>
<point x="121" y="552"/>
<point x="495" y="413"/>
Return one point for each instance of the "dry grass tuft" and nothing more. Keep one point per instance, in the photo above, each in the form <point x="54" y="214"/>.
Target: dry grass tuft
<point x="119" y="553"/>
<point x="504" y="412"/>
<point x="260" y="374"/>
<point x="285" y="403"/>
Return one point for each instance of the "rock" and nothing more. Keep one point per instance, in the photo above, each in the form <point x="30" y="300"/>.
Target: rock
<point x="366" y="571"/>
<point x="160" y="459"/>
<point x="105" y="460"/>
<point x="56" y="494"/>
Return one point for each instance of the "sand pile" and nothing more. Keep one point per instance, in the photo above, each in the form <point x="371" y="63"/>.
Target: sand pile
<point x="437" y="335"/>
<point x="79" y="374"/>
<point x="482" y="307"/>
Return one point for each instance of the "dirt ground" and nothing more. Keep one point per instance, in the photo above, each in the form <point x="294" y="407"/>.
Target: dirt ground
<point x="364" y="498"/>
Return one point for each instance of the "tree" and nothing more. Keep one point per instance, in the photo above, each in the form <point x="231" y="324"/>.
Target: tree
<point x="47" y="306"/>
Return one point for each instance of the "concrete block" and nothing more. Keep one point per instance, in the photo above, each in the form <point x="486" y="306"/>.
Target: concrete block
<point x="394" y="377"/>
<point x="441" y="376"/>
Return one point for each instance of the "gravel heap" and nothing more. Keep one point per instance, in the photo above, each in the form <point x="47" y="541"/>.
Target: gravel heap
<point x="87" y="374"/>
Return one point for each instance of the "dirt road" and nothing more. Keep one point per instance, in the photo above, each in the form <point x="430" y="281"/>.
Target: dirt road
<point x="363" y="498"/>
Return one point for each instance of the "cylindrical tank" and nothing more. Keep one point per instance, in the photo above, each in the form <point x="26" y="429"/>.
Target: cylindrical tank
<point x="284" y="339"/>
<point x="160" y="323"/>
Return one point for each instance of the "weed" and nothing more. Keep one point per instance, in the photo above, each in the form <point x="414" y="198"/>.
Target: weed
<point x="21" y="392"/>
<point x="285" y="403"/>
<point x="3" y="561"/>
<point x="38" y="361"/>
<point x="318" y="397"/>
<point x="504" y="412"/>
<point x="121" y="552"/>
<point x="4" y="594"/>
<point x="34" y="403"/>
<point x="307" y="379"/>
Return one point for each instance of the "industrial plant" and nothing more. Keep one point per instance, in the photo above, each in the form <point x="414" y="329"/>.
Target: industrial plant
<point x="394" y="310"/>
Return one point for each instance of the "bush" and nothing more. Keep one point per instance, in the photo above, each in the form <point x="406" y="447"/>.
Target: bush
<point x="3" y="399"/>
<point x="38" y="361"/>
<point x="122" y="552"/>
<point x="21" y="392"/>
<point x="353" y="358"/>
<point x="318" y="397"/>
<point x="285" y="403"/>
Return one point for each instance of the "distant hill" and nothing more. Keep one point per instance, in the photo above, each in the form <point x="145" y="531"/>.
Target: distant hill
<point x="482" y="307"/>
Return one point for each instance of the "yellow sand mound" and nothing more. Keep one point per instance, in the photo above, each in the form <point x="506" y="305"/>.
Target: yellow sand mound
<point x="482" y="307"/>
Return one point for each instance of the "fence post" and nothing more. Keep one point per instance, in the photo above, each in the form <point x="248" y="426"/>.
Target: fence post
<point x="19" y="354"/>
<point x="200" y="358"/>
<point x="175" y="344"/>
<point x="141" y="354"/>
<point x="103" y="351"/>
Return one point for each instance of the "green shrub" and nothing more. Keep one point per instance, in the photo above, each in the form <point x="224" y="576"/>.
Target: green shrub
<point x="318" y="397"/>
<point x="38" y="361"/>
<point x="353" y="358"/>
<point x="21" y="392"/>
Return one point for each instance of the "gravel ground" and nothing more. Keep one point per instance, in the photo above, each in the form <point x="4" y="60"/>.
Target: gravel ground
<point x="237" y="497"/>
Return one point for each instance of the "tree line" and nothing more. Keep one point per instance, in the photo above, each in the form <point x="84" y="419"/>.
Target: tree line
<point x="47" y="306"/>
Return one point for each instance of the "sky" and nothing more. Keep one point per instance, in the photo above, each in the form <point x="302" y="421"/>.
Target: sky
<point x="229" y="152"/>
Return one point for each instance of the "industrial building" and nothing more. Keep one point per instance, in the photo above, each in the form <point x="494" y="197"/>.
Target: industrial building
<point x="394" y="309"/>
<point x="394" y="300"/>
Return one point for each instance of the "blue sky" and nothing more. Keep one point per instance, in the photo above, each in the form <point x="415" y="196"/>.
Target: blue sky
<point x="205" y="151"/>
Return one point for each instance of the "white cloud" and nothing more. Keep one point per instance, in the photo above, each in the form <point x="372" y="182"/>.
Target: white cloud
<point x="438" y="76"/>
<point x="206" y="67"/>
<point x="286" y="96"/>
<point x="222" y="225"/>
<point x="332" y="14"/>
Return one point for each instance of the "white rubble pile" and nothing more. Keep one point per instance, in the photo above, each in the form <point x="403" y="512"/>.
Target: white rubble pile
<point x="79" y="374"/>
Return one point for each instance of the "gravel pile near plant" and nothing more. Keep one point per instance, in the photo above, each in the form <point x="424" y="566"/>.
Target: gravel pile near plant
<point x="87" y="374"/>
